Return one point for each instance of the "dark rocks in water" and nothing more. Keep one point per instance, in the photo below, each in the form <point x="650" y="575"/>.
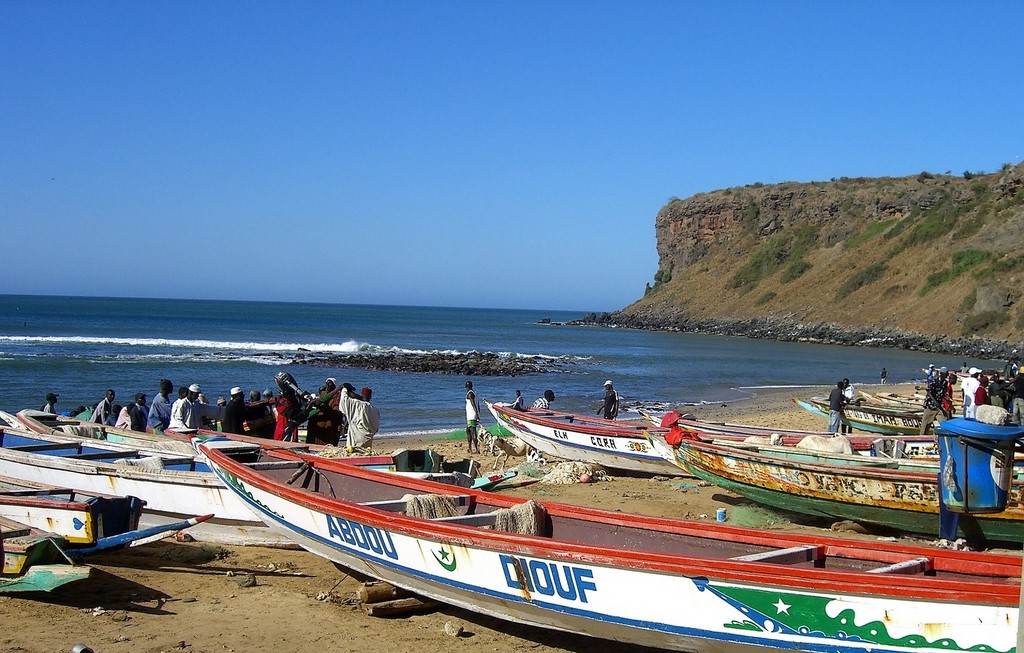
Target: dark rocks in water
<point x="788" y="330"/>
<point x="471" y="364"/>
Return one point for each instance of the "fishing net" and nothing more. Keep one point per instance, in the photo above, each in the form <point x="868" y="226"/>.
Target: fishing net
<point x="526" y="519"/>
<point x="568" y="473"/>
<point x="429" y="506"/>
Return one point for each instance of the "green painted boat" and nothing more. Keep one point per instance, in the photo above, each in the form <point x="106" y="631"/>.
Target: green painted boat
<point x="33" y="561"/>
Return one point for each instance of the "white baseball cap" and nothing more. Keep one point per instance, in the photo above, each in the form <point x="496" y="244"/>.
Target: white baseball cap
<point x="973" y="371"/>
<point x="608" y="382"/>
<point x="194" y="388"/>
<point x="236" y="391"/>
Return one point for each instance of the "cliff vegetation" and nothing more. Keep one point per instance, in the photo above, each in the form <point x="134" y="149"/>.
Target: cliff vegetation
<point x="931" y="259"/>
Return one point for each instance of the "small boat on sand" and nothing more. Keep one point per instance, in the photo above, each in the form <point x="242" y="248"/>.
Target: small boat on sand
<point x="665" y="583"/>
<point x="174" y="486"/>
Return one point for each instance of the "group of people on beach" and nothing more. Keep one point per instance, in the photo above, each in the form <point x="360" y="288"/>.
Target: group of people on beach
<point x="609" y="409"/>
<point x="335" y="412"/>
<point x="977" y="388"/>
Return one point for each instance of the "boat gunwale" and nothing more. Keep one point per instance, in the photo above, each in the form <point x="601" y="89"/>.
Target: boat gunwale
<point x="986" y="591"/>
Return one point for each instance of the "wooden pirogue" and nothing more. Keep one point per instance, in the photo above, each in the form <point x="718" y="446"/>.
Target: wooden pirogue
<point x="673" y="584"/>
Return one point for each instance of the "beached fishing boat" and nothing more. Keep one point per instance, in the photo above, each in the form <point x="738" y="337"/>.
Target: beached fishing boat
<point x="81" y="518"/>
<point x="870" y="445"/>
<point x="671" y="584"/>
<point x="36" y="560"/>
<point x="874" y="419"/>
<point x="33" y="561"/>
<point x="901" y="494"/>
<point x="38" y="421"/>
<point x="623" y="445"/>
<point x="609" y="443"/>
<point x="174" y="486"/>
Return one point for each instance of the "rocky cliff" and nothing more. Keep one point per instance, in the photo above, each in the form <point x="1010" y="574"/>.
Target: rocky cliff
<point x="929" y="261"/>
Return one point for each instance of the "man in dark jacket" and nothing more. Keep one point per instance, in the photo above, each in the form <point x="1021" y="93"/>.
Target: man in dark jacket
<point x="234" y="413"/>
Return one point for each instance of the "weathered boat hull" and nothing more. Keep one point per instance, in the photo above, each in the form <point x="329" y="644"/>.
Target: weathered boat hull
<point x="184" y="487"/>
<point x="873" y="420"/>
<point x="638" y="588"/>
<point x="902" y="495"/>
<point x="80" y="518"/>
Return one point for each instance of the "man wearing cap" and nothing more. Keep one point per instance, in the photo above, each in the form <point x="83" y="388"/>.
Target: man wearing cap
<point x="187" y="413"/>
<point x="969" y="385"/>
<point x="934" y="399"/>
<point x="51" y="403"/>
<point x="234" y="412"/>
<point x="610" y="404"/>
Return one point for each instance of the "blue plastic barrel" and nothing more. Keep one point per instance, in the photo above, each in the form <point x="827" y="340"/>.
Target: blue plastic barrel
<point x="975" y="464"/>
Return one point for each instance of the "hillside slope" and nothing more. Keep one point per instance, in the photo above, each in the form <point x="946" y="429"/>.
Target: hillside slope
<point x="935" y="255"/>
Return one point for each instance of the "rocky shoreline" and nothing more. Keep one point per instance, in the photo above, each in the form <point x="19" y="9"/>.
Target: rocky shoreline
<point x="467" y="364"/>
<point x="787" y="330"/>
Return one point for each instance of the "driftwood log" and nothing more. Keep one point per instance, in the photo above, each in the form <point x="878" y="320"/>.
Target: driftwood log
<point x="385" y="600"/>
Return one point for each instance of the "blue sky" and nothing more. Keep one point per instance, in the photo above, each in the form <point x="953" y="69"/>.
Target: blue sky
<point x="491" y="154"/>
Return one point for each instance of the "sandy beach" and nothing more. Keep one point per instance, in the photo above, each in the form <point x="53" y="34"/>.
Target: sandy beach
<point x="173" y="596"/>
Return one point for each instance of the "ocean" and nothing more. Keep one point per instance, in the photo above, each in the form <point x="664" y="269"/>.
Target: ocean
<point x="80" y="346"/>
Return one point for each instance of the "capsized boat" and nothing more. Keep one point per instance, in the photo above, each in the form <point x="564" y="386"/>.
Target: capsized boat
<point x="672" y="584"/>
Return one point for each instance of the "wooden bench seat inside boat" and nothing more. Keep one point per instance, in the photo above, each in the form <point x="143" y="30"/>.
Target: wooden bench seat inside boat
<point x="914" y="566"/>
<point x="791" y="555"/>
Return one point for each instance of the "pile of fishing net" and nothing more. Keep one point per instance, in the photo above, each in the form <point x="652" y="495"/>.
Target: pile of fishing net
<point x="525" y="518"/>
<point x="331" y="451"/>
<point x="567" y="473"/>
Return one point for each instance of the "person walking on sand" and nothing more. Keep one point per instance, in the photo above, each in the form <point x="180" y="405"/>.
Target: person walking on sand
<point x="472" y="419"/>
<point x="885" y="375"/>
<point x="610" y="403"/>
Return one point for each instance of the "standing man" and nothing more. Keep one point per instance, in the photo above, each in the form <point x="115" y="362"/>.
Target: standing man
<point x="969" y="385"/>
<point x="160" y="409"/>
<point x="836" y="401"/>
<point x="610" y="404"/>
<point x="363" y="418"/>
<point x="850" y="393"/>
<point x="234" y="413"/>
<point x="138" y="413"/>
<point x="104" y="411"/>
<point x="324" y="425"/>
<point x="885" y="375"/>
<point x="472" y="419"/>
<point x="51" y="403"/>
<point x="933" y="400"/>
